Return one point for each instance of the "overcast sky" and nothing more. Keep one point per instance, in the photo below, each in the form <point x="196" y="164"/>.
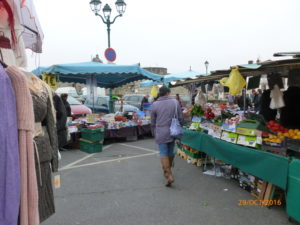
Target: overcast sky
<point x="174" y="34"/>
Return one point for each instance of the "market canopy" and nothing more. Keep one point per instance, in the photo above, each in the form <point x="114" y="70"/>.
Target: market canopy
<point x="249" y="70"/>
<point x="107" y="75"/>
<point x="173" y="77"/>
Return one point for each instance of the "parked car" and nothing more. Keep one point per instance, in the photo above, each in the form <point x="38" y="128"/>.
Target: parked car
<point x="77" y="108"/>
<point x="134" y="99"/>
<point x="71" y="91"/>
<point x="101" y="104"/>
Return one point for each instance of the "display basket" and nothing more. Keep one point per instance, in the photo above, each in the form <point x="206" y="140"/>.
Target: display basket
<point x="90" y="147"/>
<point x="93" y="135"/>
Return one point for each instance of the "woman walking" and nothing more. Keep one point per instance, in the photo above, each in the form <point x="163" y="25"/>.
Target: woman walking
<point x="163" y="110"/>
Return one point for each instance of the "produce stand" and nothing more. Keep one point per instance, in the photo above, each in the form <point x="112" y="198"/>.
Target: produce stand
<point x="130" y="129"/>
<point x="261" y="151"/>
<point x="267" y="166"/>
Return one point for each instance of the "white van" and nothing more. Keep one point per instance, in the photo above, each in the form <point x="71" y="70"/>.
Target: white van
<point x="67" y="90"/>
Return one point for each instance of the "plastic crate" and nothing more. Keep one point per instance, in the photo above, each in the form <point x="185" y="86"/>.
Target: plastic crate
<point x="92" y="134"/>
<point x="275" y="150"/>
<point x="293" y="144"/>
<point x="90" y="147"/>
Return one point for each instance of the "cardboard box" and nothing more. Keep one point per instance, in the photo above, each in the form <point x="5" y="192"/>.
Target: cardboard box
<point x="229" y="137"/>
<point x="229" y="128"/>
<point x="249" y="141"/>
<point x="249" y="128"/>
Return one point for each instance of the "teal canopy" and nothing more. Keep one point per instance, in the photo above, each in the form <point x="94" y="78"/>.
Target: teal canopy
<point x="173" y="77"/>
<point x="107" y="75"/>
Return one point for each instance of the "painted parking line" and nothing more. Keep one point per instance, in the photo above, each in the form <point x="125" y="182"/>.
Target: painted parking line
<point x="84" y="158"/>
<point x="108" y="161"/>
<point x="141" y="148"/>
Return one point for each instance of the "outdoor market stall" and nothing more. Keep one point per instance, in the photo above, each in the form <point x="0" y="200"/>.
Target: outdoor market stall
<point x="105" y="76"/>
<point x="266" y="155"/>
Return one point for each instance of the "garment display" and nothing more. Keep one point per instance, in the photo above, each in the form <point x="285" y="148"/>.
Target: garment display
<point x="45" y="138"/>
<point x="61" y="121"/>
<point x="265" y="110"/>
<point x="9" y="153"/>
<point x="276" y="95"/>
<point x="12" y="48"/>
<point x="290" y="113"/>
<point x="29" y="214"/>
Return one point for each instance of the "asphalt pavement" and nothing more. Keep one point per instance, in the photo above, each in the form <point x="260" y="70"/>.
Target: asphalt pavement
<point x="123" y="185"/>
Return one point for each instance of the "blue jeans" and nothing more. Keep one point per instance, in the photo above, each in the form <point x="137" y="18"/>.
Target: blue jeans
<point x="166" y="149"/>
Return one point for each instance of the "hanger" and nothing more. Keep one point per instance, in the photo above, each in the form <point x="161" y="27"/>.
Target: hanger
<point x="3" y="64"/>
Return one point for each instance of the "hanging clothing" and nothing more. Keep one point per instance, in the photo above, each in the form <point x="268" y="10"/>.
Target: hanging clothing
<point x="29" y="192"/>
<point x="45" y="137"/>
<point x="276" y="95"/>
<point x="61" y="121"/>
<point x="289" y="116"/>
<point x="9" y="154"/>
<point x="265" y="110"/>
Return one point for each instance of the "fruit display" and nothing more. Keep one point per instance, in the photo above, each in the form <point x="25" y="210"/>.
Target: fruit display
<point x="276" y="127"/>
<point x="281" y="132"/>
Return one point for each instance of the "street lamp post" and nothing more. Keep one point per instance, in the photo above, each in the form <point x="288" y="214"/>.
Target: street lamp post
<point x="206" y="67"/>
<point x="96" y="7"/>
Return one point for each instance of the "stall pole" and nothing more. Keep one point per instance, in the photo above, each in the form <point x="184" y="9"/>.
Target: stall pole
<point x="111" y="103"/>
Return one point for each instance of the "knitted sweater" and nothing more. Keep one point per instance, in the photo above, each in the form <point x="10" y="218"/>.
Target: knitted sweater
<point x="9" y="154"/>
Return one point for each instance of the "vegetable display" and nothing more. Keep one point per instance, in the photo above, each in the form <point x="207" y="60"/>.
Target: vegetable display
<point x="197" y="111"/>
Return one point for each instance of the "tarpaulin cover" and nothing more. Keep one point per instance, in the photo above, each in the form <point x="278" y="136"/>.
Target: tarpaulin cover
<point x="108" y="75"/>
<point x="267" y="166"/>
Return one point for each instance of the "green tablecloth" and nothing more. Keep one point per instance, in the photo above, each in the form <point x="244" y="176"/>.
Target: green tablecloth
<point x="267" y="166"/>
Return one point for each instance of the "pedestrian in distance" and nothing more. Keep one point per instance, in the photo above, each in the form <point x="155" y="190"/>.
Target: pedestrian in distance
<point x="144" y="101"/>
<point x="64" y="98"/>
<point x="163" y="110"/>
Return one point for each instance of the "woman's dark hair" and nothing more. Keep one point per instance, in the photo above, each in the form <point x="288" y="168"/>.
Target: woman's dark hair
<point x="163" y="91"/>
<point x="64" y="96"/>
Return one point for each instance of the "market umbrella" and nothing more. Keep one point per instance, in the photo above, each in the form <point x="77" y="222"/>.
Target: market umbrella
<point x="107" y="75"/>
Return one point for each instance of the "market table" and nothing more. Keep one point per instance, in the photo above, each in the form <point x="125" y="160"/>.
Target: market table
<point x="276" y="169"/>
<point x="267" y="166"/>
<point x="127" y="131"/>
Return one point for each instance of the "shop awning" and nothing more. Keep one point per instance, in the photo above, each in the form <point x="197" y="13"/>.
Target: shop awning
<point x="190" y="74"/>
<point x="107" y="75"/>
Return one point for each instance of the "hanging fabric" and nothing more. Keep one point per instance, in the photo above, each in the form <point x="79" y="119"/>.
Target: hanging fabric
<point x="276" y="95"/>
<point x="9" y="154"/>
<point x="29" y="214"/>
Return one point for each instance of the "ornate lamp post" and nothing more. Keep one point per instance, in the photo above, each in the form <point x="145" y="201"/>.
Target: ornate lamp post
<point x="96" y="7"/>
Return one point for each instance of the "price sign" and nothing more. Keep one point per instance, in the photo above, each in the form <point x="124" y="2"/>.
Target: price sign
<point x="50" y="79"/>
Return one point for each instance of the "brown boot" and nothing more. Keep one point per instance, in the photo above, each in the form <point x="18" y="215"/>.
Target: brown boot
<point x="165" y="162"/>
